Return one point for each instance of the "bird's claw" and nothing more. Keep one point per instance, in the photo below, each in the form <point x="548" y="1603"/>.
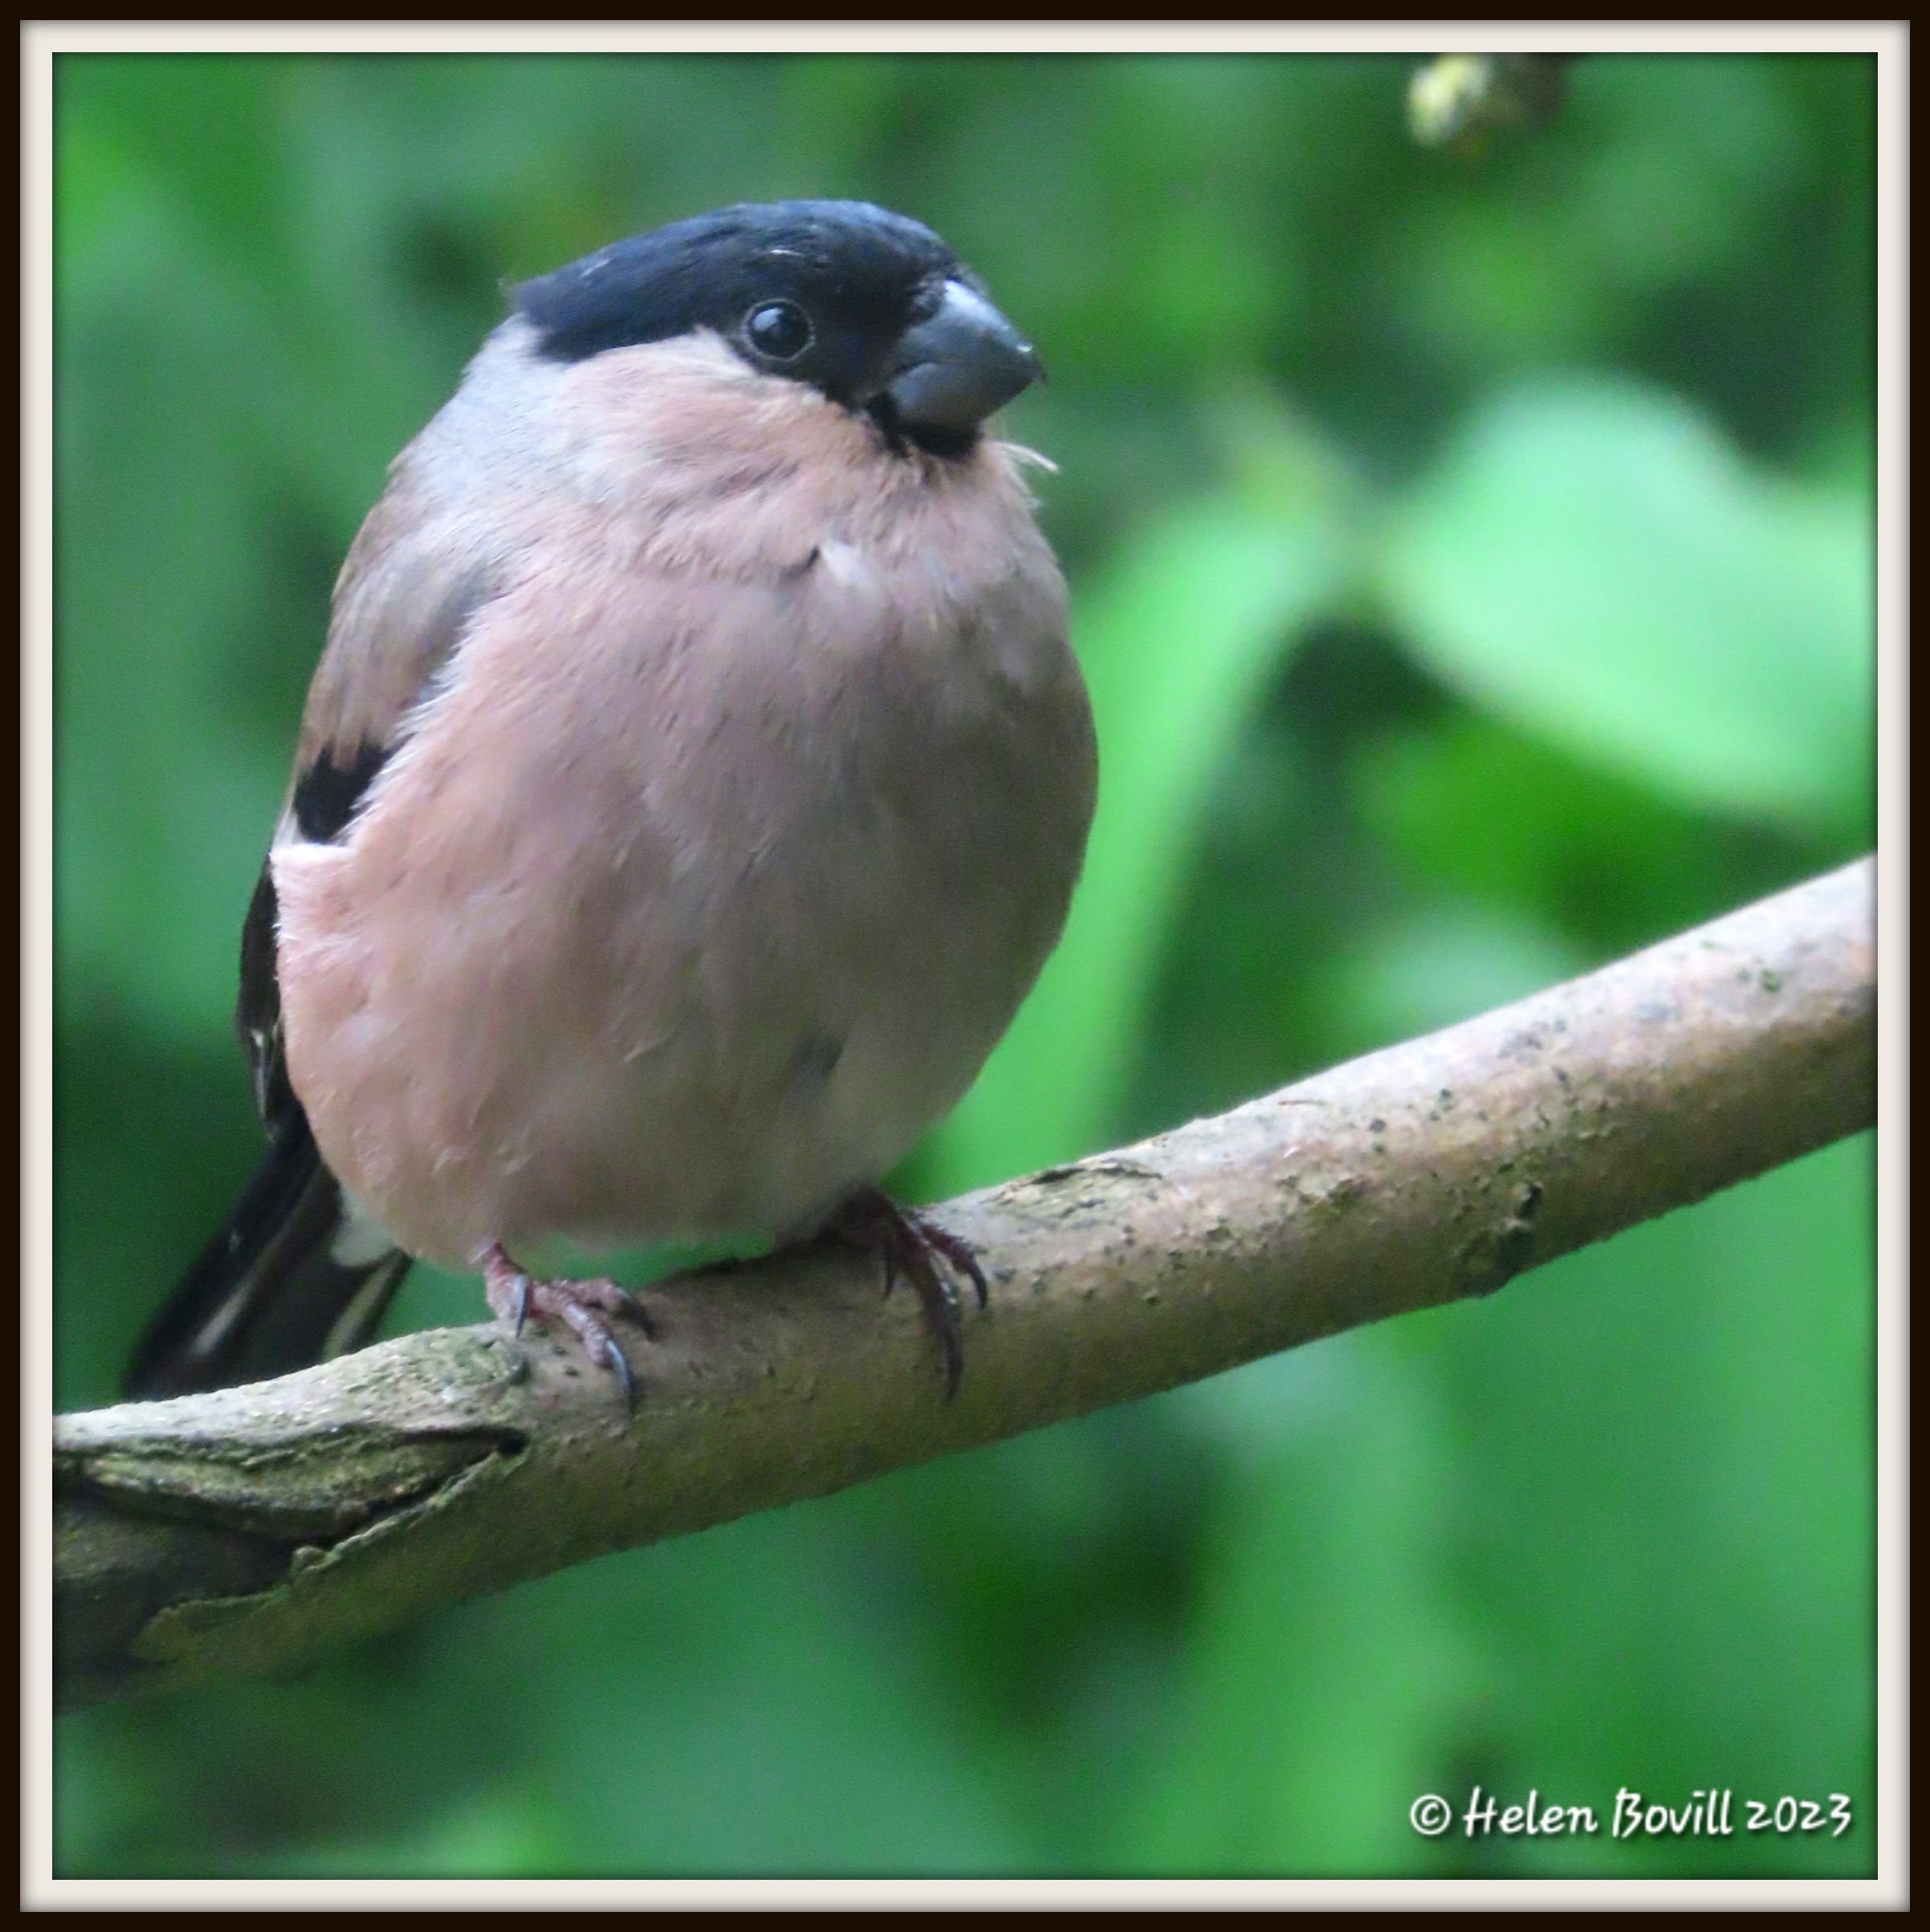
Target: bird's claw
<point x="960" y="1254"/>
<point x="516" y="1296"/>
<point x="619" y="1365"/>
<point x="911" y="1244"/>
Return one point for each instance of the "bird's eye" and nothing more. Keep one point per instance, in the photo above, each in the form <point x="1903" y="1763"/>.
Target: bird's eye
<point x="780" y="330"/>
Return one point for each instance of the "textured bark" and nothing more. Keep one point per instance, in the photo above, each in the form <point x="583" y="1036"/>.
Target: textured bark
<point x="248" y="1530"/>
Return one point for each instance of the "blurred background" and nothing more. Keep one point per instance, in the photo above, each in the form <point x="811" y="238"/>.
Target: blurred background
<point x="1471" y="561"/>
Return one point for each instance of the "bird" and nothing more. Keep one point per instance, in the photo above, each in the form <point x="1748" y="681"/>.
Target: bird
<point x="694" y="782"/>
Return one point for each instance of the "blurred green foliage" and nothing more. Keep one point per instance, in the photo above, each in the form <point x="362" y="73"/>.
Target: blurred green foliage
<point x="1472" y="565"/>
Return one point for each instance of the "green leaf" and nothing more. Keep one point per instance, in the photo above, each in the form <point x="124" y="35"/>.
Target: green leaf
<point x="1468" y="804"/>
<point x="1594" y="561"/>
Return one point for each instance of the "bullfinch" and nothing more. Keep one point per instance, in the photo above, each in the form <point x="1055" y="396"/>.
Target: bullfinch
<point x="694" y="783"/>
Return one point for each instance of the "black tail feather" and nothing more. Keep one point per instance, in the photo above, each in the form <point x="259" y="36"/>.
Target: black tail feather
<point x="267" y="1295"/>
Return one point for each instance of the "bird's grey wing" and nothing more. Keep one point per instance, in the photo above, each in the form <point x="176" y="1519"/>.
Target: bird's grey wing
<point x="410" y="587"/>
<point x="414" y="577"/>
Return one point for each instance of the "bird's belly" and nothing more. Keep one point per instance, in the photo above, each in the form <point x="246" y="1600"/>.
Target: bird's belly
<point x="462" y="1108"/>
<point x="681" y="1048"/>
<point x="824" y="1017"/>
<point x="692" y="1156"/>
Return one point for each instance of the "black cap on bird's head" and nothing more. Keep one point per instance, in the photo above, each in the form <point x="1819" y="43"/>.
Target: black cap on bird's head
<point x="869" y="307"/>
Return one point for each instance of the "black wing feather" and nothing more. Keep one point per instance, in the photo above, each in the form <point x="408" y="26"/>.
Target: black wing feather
<point x="266" y="1296"/>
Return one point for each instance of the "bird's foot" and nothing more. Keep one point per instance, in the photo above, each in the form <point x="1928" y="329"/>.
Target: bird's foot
<point x="517" y="1296"/>
<point x="912" y="1244"/>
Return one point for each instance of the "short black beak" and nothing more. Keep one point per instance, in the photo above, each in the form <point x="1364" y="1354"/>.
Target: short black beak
<point x="952" y="370"/>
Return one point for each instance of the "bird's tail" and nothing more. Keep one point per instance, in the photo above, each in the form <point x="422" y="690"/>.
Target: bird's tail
<point x="266" y="1294"/>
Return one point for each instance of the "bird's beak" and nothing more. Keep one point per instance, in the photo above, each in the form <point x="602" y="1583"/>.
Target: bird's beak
<point x="952" y="370"/>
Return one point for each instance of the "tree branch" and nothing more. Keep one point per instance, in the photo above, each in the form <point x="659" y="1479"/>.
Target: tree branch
<point x="248" y="1530"/>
